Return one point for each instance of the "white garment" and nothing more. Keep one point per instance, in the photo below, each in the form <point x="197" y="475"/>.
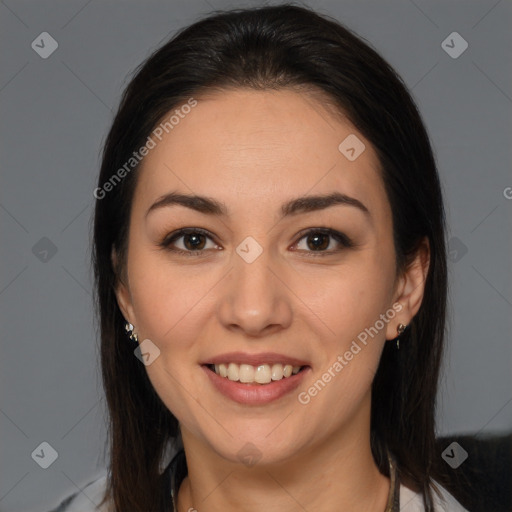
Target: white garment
<point x="410" y="501"/>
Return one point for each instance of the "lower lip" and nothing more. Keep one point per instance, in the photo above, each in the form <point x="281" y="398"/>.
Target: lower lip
<point x="255" y="394"/>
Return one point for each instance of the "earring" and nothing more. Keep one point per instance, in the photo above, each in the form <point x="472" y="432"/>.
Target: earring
<point x="400" y="329"/>
<point x="128" y="327"/>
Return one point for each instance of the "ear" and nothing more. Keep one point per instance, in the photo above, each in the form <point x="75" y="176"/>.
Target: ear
<point x="122" y="290"/>
<point x="410" y="289"/>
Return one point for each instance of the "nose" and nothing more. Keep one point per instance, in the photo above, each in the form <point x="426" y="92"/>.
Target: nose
<point x="255" y="299"/>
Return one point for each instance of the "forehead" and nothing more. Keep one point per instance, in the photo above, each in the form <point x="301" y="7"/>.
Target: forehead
<point x="261" y="146"/>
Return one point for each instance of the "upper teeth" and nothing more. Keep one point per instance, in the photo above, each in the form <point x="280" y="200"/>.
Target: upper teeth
<point x="262" y="374"/>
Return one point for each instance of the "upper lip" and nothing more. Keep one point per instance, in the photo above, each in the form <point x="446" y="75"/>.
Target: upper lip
<point x="255" y="359"/>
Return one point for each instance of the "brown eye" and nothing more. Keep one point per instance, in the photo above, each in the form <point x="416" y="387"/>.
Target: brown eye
<point x="320" y="239"/>
<point x="189" y="241"/>
<point x="194" y="241"/>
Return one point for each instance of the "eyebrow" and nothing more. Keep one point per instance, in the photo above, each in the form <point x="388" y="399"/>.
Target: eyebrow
<point x="304" y="204"/>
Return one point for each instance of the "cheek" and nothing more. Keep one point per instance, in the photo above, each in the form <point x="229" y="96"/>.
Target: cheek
<point x="351" y="357"/>
<point x="350" y="306"/>
<point x="349" y="298"/>
<point x="337" y="396"/>
<point x="166" y="298"/>
<point x="170" y="307"/>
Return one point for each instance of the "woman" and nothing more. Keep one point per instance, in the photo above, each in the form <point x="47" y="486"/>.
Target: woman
<point x="270" y="270"/>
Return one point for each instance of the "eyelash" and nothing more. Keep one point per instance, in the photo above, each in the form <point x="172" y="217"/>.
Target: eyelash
<point x="341" y="238"/>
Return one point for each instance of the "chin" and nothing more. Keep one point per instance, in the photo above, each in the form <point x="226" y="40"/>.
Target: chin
<point x="250" y="448"/>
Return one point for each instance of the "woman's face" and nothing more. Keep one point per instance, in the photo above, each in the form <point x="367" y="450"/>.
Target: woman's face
<point x="248" y="284"/>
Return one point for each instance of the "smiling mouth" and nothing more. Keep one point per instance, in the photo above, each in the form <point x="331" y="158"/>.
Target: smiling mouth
<point x="249" y="374"/>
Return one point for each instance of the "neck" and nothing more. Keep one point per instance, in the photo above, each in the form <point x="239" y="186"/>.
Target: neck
<point x="336" y="474"/>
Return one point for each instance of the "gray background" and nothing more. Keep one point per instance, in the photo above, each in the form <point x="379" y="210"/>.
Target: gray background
<point x="55" y="115"/>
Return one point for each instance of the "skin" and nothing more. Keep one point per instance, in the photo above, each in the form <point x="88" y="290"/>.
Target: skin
<point x="254" y="150"/>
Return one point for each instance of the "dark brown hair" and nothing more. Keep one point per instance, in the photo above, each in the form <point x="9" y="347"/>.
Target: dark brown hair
<point x="273" y="48"/>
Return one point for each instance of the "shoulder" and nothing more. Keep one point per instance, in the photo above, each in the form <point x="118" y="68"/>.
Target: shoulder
<point x="411" y="501"/>
<point x="86" y="500"/>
